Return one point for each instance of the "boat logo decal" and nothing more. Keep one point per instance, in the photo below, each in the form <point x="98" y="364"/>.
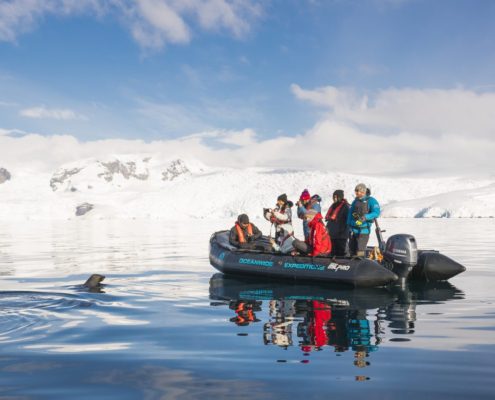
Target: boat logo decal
<point x="316" y="267"/>
<point x="338" y="267"/>
<point x="250" y="261"/>
<point x="256" y="294"/>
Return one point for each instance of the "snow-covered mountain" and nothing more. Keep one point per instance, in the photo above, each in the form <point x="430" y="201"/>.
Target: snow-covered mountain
<point x="149" y="186"/>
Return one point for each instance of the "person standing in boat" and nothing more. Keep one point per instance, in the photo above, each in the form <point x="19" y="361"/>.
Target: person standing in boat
<point x="363" y="211"/>
<point x="244" y="234"/>
<point x="282" y="213"/>
<point x="306" y="203"/>
<point x="318" y="243"/>
<point x="337" y="223"/>
<point x="281" y="217"/>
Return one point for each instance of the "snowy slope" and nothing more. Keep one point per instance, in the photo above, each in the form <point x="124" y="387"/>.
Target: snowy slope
<point x="152" y="186"/>
<point x="472" y="203"/>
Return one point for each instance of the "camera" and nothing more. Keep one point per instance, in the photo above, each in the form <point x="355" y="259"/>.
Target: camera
<point x="356" y="215"/>
<point x="267" y="213"/>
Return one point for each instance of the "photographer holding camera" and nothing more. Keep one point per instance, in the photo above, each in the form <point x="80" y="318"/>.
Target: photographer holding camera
<point x="281" y="217"/>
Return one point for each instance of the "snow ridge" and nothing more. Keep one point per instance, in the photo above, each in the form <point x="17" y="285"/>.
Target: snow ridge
<point x="152" y="186"/>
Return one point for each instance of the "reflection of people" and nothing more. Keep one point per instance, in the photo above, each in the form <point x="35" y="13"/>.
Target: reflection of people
<point x="278" y="330"/>
<point x="364" y="210"/>
<point x="337" y="223"/>
<point x="318" y="316"/>
<point x="337" y="330"/>
<point x="318" y="242"/>
<point x="244" y="234"/>
<point x="244" y="312"/>
<point x="360" y="333"/>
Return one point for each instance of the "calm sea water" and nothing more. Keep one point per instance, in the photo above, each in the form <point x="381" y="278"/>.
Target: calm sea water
<point x="165" y="326"/>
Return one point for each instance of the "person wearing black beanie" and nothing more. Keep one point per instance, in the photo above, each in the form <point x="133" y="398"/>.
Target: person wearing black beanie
<point x="281" y="218"/>
<point x="337" y="227"/>
<point x="244" y="234"/>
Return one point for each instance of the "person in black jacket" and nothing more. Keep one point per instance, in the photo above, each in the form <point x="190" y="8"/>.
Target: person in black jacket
<point x="244" y="234"/>
<point x="337" y="223"/>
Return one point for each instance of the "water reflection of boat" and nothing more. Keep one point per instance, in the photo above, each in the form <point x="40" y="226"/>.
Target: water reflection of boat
<point x="401" y="314"/>
<point x="227" y="287"/>
<point x="314" y="317"/>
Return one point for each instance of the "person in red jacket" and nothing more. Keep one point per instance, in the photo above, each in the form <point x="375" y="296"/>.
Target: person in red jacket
<point x="318" y="243"/>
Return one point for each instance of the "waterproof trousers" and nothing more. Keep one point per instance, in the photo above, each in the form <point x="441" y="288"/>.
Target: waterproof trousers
<point x="339" y="247"/>
<point x="358" y="243"/>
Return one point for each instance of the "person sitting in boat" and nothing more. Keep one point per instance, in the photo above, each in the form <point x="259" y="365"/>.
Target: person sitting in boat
<point x="306" y="203"/>
<point x="318" y="243"/>
<point x="281" y="217"/>
<point x="284" y="240"/>
<point x="244" y="234"/>
<point x="337" y="223"/>
<point x="363" y="211"/>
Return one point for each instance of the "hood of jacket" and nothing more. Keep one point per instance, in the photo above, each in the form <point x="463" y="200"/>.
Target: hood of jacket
<point x="317" y="218"/>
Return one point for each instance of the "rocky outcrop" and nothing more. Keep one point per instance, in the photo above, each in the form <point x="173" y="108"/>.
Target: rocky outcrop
<point x="94" y="173"/>
<point x="83" y="209"/>
<point x="127" y="170"/>
<point x="61" y="176"/>
<point x="174" y="170"/>
<point x="4" y="175"/>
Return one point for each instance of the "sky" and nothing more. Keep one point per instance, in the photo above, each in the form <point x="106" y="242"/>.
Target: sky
<point x="386" y="87"/>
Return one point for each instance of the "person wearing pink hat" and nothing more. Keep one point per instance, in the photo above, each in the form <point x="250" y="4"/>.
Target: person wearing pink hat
<point x="306" y="203"/>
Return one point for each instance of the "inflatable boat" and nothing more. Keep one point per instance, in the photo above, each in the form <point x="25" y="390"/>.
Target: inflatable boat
<point x="401" y="261"/>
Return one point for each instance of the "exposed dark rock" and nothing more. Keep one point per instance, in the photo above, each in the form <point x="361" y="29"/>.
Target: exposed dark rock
<point x="127" y="170"/>
<point x="83" y="208"/>
<point x="174" y="170"/>
<point x="61" y="176"/>
<point x="4" y="175"/>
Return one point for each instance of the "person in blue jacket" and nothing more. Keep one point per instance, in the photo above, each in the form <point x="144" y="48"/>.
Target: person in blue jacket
<point x="364" y="210"/>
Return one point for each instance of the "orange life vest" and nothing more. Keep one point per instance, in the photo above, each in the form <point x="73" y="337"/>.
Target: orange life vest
<point x="240" y="232"/>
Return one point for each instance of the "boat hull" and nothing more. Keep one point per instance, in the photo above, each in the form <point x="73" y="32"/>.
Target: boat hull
<point x="356" y="272"/>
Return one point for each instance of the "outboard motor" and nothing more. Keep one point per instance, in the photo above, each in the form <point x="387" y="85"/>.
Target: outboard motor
<point x="401" y="255"/>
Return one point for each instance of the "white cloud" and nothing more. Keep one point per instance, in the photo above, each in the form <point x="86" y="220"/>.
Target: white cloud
<point x="21" y="16"/>
<point x="243" y="138"/>
<point x="50" y="113"/>
<point x="391" y="132"/>
<point x="182" y="119"/>
<point x="8" y="104"/>
<point x="233" y="15"/>
<point x="152" y="23"/>
<point x="419" y="111"/>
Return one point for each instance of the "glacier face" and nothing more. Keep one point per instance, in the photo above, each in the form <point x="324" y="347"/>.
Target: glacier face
<point x="154" y="186"/>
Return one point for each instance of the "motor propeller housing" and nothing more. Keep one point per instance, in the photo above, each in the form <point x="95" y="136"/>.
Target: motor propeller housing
<point x="401" y="254"/>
